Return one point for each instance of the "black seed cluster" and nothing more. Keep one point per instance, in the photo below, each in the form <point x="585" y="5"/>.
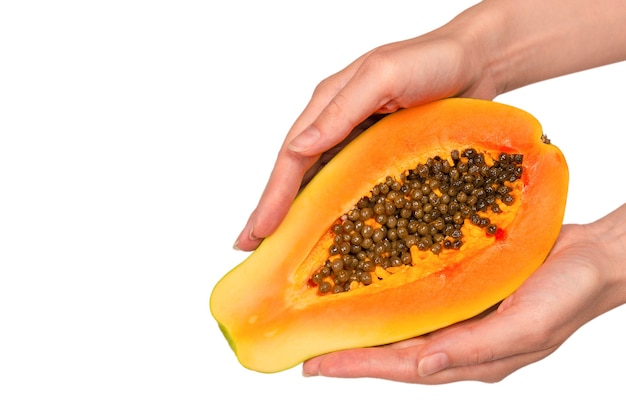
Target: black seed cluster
<point x="426" y="208"/>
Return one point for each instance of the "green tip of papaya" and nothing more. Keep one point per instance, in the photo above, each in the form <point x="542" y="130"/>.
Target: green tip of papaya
<point x="229" y="339"/>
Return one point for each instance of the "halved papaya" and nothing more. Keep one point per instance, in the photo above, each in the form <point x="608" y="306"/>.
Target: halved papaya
<point x="495" y="189"/>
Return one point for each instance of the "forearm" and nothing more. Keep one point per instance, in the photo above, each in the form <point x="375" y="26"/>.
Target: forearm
<point x="523" y="42"/>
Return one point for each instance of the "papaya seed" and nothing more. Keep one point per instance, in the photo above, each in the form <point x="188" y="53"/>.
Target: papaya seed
<point x="424" y="208"/>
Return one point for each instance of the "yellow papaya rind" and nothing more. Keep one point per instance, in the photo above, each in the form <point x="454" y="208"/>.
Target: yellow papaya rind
<point x="273" y="321"/>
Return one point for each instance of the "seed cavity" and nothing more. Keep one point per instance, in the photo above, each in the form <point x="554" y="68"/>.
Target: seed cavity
<point x="422" y="210"/>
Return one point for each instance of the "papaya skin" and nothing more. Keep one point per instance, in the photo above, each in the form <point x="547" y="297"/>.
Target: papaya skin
<point x="274" y="319"/>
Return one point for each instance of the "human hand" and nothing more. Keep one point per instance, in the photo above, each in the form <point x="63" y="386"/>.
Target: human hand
<point x="488" y="49"/>
<point x="440" y="64"/>
<point x="582" y="278"/>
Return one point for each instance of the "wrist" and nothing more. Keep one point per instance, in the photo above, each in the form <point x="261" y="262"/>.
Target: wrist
<point x="534" y="40"/>
<point x="507" y="40"/>
<point x="609" y="234"/>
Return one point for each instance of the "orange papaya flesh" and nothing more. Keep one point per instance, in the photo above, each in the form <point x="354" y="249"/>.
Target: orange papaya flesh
<point x="274" y="318"/>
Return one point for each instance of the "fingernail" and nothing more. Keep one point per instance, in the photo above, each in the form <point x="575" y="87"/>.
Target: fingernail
<point x="305" y="140"/>
<point x="251" y="237"/>
<point x="308" y="371"/>
<point x="432" y="364"/>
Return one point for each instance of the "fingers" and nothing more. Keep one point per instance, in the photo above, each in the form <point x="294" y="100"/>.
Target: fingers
<point x="467" y="358"/>
<point x="402" y="365"/>
<point x="378" y="362"/>
<point x="487" y="348"/>
<point x="387" y="78"/>
<point x="482" y="345"/>
<point x="281" y="189"/>
<point x="370" y="90"/>
<point x="339" y="107"/>
<point x="488" y="372"/>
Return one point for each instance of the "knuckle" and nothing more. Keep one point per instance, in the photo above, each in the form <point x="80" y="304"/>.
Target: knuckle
<point x="383" y="66"/>
<point x="326" y="84"/>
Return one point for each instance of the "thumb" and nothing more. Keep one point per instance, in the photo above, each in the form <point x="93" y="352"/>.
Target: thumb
<point x="486" y="349"/>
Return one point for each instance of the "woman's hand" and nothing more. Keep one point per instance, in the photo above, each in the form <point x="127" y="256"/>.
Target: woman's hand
<point x="583" y="277"/>
<point x="492" y="47"/>
<point x="433" y="66"/>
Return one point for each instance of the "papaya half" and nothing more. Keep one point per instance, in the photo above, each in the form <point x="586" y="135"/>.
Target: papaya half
<point x="429" y="217"/>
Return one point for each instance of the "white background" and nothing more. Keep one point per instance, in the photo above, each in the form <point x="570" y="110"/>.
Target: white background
<point x="135" y="139"/>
